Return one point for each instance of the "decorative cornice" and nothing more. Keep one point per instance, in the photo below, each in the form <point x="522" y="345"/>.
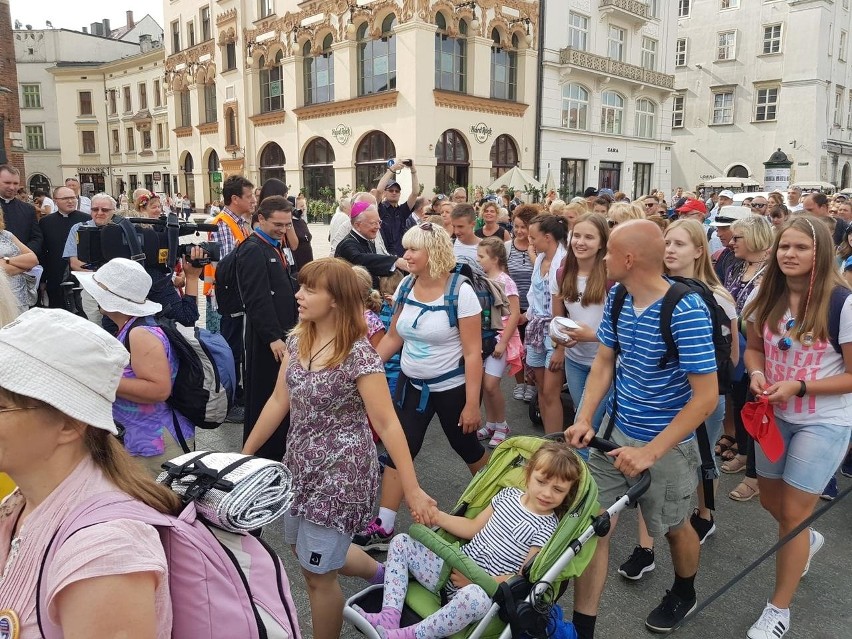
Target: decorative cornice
<point x="265" y="119"/>
<point x="226" y="16"/>
<point x="464" y="102"/>
<point x="383" y="100"/>
<point x="231" y="166"/>
<point x="208" y="127"/>
<point x="183" y="131"/>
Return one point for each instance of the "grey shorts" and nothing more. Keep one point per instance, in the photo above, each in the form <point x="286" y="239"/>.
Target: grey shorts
<point x="668" y="502"/>
<point x="319" y="549"/>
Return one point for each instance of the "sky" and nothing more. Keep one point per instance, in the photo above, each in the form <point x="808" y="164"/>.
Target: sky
<point x="73" y="14"/>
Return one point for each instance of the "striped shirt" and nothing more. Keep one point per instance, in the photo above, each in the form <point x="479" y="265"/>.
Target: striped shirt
<point x="520" y="270"/>
<point x="503" y="544"/>
<point x="649" y="397"/>
<point x="225" y="237"/>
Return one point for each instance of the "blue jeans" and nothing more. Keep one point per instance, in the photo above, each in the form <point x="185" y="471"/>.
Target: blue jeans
<point x="576" y="375"/>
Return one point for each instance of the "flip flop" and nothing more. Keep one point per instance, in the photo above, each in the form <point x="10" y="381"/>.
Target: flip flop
<point x="743" y="492"/>
<point x="725" y="443"/>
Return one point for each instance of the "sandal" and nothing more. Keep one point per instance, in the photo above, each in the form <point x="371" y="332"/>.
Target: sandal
<point x="730" y="453"/>
<point x="735" y="465"/>
<point x="725" y="443"/>
<point x="744" y="492"/>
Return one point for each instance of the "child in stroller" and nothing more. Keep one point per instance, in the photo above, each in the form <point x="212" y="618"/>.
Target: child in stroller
<point x="503" y="538"/>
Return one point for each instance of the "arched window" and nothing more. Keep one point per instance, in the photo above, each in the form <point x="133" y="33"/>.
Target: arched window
<point x="450" y="56"/>
<point x="451" y="152"/>
<point x="612" y="113"/>
<point x="319" y="73"/>
<point x="646" y="113"/>
<point x="212" y="168"/>
<point x="371" y="159"/>
<point x="504" y="155"/>
<point x="317" y="169"/>
<point x="575" y="107"/>
<point x="188" y="178"/>
<point x="738" y="171"/>
<point x="38" y="182"/>
<point x="272" y="163"/>
<point x="271" y="84"/>
<point x="845" y="177"/>
<point x="377" y="59"/>
<point x="230" y="128"/>
<point x="504" y="68"/>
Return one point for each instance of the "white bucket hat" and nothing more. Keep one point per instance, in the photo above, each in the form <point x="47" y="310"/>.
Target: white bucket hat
<point x="65" y="361"/>
<point x="120" y="286"/>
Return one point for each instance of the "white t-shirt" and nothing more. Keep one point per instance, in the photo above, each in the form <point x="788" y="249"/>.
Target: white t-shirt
<point x="433" y="348"/>
<point x="809" y="363"/>
<point x="584" y="352"/>
<point x="465" y="250"/>
<point x="48" y="202"/>
<point x="84" y="204"/>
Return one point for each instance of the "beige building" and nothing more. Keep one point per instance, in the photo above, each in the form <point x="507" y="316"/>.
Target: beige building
<point x="113" y="122"/>
<point x="321" y="93"/>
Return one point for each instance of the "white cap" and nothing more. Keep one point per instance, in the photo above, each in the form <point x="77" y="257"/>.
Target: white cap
<point x="727" y="215"/>
<point x="726" y="193"/>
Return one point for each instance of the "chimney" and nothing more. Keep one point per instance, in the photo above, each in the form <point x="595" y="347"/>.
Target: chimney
<point x="145" y="42"/>
<point x="107" y="30"/>
<point x="96" y="28"/>
<point x="130" y="22"/>
<point x="85" y="29"/>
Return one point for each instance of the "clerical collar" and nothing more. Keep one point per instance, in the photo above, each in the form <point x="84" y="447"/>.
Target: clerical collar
<point x="274" y="242"/>
<point x="362" y="237"/>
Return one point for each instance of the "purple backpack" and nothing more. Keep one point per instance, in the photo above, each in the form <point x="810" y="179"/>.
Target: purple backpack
<point x="222" y="584"/>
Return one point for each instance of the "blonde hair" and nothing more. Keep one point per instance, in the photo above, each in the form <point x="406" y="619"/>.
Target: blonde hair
<point x="703" y="269"/>
<point x="371" y="297"/>
<point x="495" y="248"/>
<point x="757" y="232"/>
<point x="389" y="283"/>
<point x="437" y="243"/>
<point x="557" y="207"/>
<point x="622" y="211"/>
<point x="335" y="276"/>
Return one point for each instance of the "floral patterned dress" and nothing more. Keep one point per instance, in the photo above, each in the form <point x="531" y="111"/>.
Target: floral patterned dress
<point x="330" y="451"/>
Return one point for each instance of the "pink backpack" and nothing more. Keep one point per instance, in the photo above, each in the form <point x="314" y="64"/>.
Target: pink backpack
<point x="222" y="584"/>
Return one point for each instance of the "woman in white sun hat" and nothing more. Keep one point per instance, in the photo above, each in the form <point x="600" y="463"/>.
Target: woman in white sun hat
<point x="58" y="377"/>
<point x="120" y="287"/>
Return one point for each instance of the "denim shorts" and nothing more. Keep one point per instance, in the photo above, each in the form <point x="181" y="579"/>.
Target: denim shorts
<point x="812" y="453"/>
<point x="540" y="358"/>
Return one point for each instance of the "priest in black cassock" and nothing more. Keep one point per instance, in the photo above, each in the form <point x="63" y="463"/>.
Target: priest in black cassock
<point x="54" y="229"/>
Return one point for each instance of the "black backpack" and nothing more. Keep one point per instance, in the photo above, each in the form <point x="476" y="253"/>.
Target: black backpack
<point x="229" y="299"/>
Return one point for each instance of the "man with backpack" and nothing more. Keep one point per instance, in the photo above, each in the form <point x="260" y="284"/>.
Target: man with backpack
<point x="654" y="412"/>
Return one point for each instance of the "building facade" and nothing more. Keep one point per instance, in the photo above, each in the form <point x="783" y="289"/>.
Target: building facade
<point x="10" y="112"/>
<point x="113" y="123"/>
<point x="321" y="93"/>
<point x="606" y="95"/>
<point x="754" y="78"/>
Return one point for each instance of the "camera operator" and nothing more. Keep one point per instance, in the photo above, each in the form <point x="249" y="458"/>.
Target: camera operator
<point x="392" y="213"/>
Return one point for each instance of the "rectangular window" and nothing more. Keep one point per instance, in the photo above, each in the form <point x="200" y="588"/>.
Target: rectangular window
<point x="230" y="56"/>
<point x="649" y="53"/>
<point x="729" y="4"/>
<point x="31" y="96"/>
<point x="146" y="139"/>
<point x="678" y="111"/>
<point x="727" y="49"/>
<point x="157" y="96"/>
<point x="838" y="107"/>
<point x="205" y="23"/>
<point x="175" y="36"/>
<point x="849" y="111"/>
<point x="131" y="139"/>
<point x="572" y="178"/>
<point x="681" y="48"/>
<point x="578" y="31"/>
<point x="190" y="34"/>
<point x="654" y="8"/>
<point x="143" y="96"/>
<point x="128" y="103"/>
<point x="160" y="137"/>
<point x="35" y="137"/>
<point x="841" y="53"/>
<point x="265" y="8"/>
<point x="210" y="102"/>
<point x="683" y="8"/>
<point x="113" y="102"/>
<point x="88" y="141"/>
<point x="772" y="38"/>
<point x="185" y="112"/>
<point x="766" y="107"/>
<point x="134" y="181"/>
<point x="615" y="39"/>
<point x="642" y="178"/>
<point x="723" y="107"/>
<point x="116" y="144"/>
<point x="86" y="103"/>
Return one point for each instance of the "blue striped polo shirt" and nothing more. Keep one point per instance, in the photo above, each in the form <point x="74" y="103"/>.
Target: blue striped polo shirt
<point x="649" y="397"/>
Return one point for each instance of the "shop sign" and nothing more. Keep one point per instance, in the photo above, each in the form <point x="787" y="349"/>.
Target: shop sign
<point x="481" y="132"/>
<point x="342" y="133"/>
<point x="103" y="170"/>
<point x="217" y="177"/>
<point x="157" y="176"/>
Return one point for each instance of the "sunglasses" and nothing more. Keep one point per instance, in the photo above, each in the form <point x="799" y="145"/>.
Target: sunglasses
<point x="440" y="197"/>
<point x="650" y="205"/>
<point x="426" y="226"/>
<point x="97" y="209"/>
<point x="757" y="206"/>
<point x="785" y="343"/>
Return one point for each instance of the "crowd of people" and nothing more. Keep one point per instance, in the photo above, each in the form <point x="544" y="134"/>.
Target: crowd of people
<point x="393" y="321"/>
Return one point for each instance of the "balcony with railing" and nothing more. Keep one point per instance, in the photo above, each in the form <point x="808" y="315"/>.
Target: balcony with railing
<point x="600" y="65"/>
<point x="636" y="12"/>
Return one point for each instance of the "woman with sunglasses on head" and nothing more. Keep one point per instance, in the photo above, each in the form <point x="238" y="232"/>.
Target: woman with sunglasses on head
<point x="490" y="227"/>
<point x="804" y="372"/>
<point x="521" y="258"/>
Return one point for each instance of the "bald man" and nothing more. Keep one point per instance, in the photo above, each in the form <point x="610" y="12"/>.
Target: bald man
<point x="657" y="413"/>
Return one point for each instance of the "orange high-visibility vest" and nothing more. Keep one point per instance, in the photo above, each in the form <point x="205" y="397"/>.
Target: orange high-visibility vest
<point x="239" y="236"/>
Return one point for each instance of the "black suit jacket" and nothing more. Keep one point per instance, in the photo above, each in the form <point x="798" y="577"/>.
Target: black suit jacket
<point x="356" y="250"/>
<point x="21" y="221"/>
<point x="55" y="229"/>
<point x="267" y="289"/>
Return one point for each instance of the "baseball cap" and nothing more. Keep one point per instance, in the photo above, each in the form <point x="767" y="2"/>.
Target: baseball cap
<point x="727" y="215"/>
<point x="692" y="205"/>
<point x="726" y="193"/>
<point x="590" y="191"/>
<point x="393" y="185"/>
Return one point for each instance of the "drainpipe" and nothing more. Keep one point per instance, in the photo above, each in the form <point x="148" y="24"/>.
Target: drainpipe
<point x="542" y="11"/>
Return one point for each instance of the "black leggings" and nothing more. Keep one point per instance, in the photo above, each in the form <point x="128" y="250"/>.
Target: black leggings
<point x="448" y="405"/>
<point x="745" y="443"/>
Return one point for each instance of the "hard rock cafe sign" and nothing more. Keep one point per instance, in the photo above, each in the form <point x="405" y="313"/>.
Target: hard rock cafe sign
<point x="342" y="133"/>
<point x="481" y="132"/>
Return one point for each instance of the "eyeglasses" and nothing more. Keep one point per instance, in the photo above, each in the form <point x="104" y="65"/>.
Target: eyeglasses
<point x="757" y="206"/>
<point x="737" y="238"/>
<point x="785" y="343"/>
<point x="96" y="209"/>
<point x="73" y="197"/>
<point x="11" y="410"/>
<point x="650" y="205"/>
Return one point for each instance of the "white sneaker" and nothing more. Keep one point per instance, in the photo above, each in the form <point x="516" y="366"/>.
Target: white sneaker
<point x="817" y="542"/>
<point x="773" y="624"/>
<point x="530" y="393"/>
<point x="484" y="433"/>
<point x="520" y="390"/>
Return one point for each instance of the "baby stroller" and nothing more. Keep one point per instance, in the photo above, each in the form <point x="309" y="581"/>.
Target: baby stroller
<point x="521" y="606"/>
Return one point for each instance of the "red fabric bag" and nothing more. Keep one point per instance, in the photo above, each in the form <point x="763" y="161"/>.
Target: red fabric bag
<point x="759" y="420"/>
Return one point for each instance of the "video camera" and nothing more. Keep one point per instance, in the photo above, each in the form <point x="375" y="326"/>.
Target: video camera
<point x="154" y="243"/>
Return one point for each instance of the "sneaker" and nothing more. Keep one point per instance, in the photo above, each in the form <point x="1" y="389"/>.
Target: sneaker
<point x="829" y="493"/>
<point x="669" y="613"/>
<point x="703" y="527"/>
<point x="519" y="392"/>
<point x="639" y="562"/>
<point x="773" y="624"/>
<point x="846" y="466"/>
<point x="485" y="433"/>
<point x="529" y="393"/>
<point x="237" y="415"/>
<point x="499" y="436"/>
<point x="374" y="537"/>
<point x="817" y="542"/>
